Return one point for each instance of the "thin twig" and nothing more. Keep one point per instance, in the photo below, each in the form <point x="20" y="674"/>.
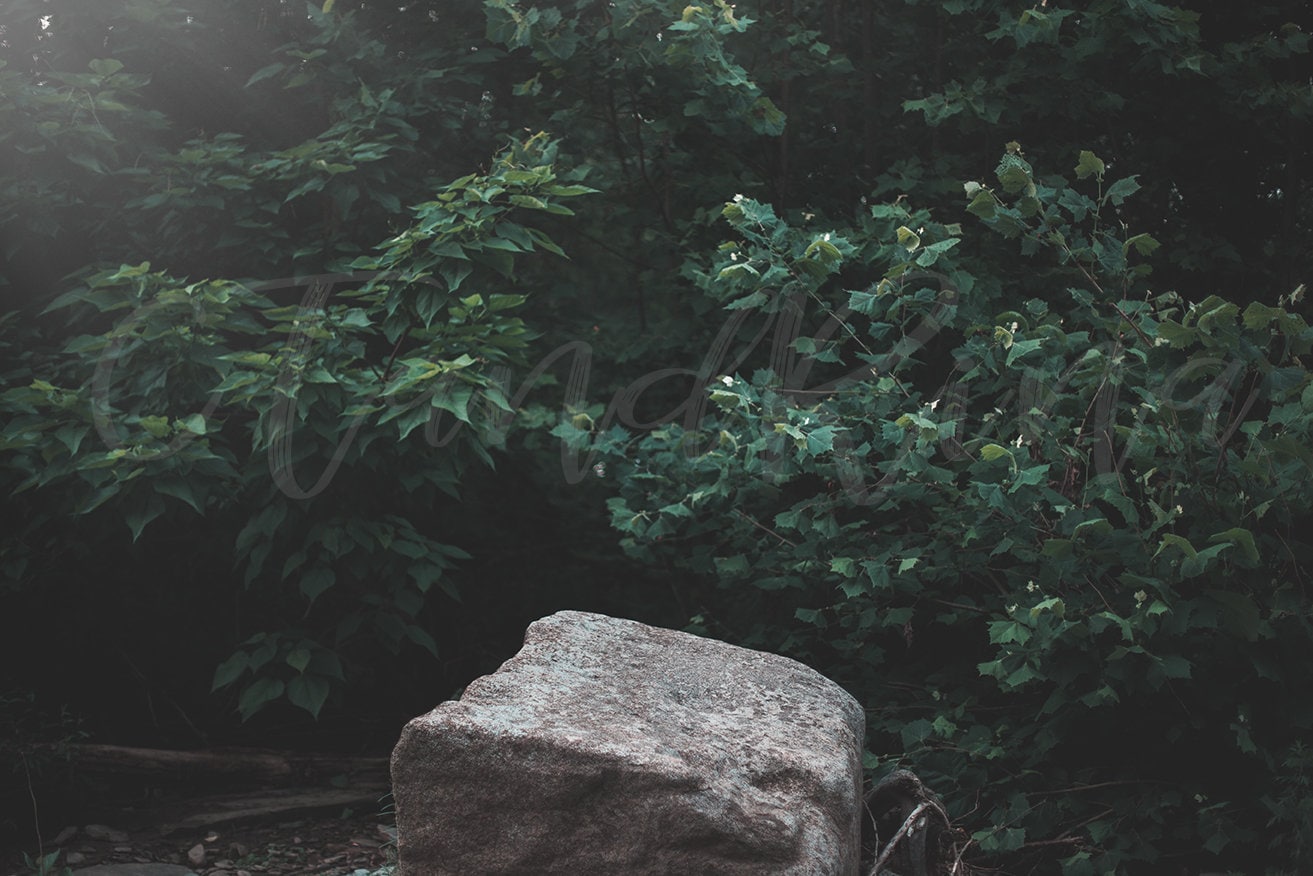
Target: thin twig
<point x="764" y="529"/>
<point x="1076" y="788"/>
<point x="959" y="605"/>
<point x="957" y="857"/>
<point x="1060" y="841"/>
<point x="1067" y="834"/>
<point x="905" y="830"/>
<point x="36" y="810"/>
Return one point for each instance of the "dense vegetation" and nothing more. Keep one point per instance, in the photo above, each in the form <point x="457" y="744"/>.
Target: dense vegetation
<point x="955" y="348"/>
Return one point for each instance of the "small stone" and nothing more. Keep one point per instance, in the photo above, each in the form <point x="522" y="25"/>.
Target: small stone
<point x="107" y="834"/>
<point x="74" y="858"/>
<point x="64" y="835"/>
<point x="196" y="855"/>
<point x="211" y="837"/>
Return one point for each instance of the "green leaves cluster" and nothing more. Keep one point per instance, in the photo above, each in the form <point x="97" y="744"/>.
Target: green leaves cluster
<point x="219" y="399"/>
<point x="1009" y="518"/>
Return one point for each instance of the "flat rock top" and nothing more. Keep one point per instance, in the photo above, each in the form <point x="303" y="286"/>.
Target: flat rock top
<point x="604" y="683"/>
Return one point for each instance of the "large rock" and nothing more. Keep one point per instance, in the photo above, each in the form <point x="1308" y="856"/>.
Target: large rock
<point x="610" y="747"/>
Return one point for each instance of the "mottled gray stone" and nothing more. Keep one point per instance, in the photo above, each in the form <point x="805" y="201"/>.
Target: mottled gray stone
<point x="611" y="747"/>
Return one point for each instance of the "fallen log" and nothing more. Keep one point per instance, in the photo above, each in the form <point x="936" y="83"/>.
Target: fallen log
<point x="265" y="765"/>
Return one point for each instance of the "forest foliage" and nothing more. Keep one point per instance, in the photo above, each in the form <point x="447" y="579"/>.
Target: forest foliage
<point x="954" y="348"/>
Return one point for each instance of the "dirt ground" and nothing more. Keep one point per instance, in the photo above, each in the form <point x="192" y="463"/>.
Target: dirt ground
<point x="205" y="836"/>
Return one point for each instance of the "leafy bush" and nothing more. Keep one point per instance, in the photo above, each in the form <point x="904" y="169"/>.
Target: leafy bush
<point x="266" y="384"/>
<point x="1045" y="522"/>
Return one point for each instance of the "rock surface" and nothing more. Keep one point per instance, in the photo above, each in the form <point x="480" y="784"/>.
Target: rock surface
<point x="607" y="746"/>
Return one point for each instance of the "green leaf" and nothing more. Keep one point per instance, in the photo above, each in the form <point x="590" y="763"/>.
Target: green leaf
<point x="736" y="565"/>
<point x="298" y="659"/>
<point x="845" y="566"/>
<point x="930" y="254"/>
<point x="421" y="637"/>
<point x="453" y="396"/>
<point x="1121" y="190"/>
<point x="259" y="694"/>
<point x="138" y="518"/>
<point x="1144" y="244"/>
<point x="181" y="490"/>
<point x="308" y="692"/>
<point x="327" y="664"/>
<point x="1088" y="164"/>
<point x="983" y="204"/>
<point x="1022" y="676"/>
<point x="1017" y="349"/>
<point x="1180" y="543"/>
<point x="316" y="581"/>
<point x="810" y="616"/>
<point x="1175" y="666"/>
<point x="1095" y="526"/>
<point x="71" y="437"/>
<point x="1014" y="174"/>
<point x="569" y="191"/>
<point x="1243" y="538"/>
<point x="1058" y="548"/>
<point x="820" y="440"/>
<point x="90" y="162"/>
<point x="908" y="239"/>
<point x="1008" y="632"/>
<point x="157" y="426"/>
<point x="230" y="670"/>
<point x="265" y="73"/>
<point x="1242" y="616"/>
<point x="194" y="423"/>
<point x="105" y="66"/>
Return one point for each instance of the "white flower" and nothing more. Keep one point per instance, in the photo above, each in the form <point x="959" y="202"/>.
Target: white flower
<point x="727" y="380"/>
